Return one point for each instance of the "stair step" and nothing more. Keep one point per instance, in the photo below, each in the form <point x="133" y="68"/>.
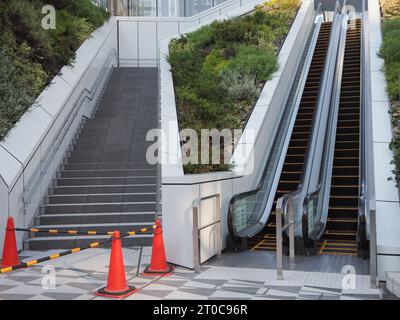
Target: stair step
<point x="99" y="198"/>
<point x="107" y="166"/>
<point x="103" y="189"/>
<point x="108" y="173"/>
<point x="90" y="218"/>
<point x="98" y="207"/>
<point x="105" y="181"/>
<point x="47" y="243"/>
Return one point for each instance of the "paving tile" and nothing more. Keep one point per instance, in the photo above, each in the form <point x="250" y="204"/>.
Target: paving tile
<point x="213" y="283"/>
<point x="156" y="293"/>
<point x="198" y="291"/>
<point x="61" y="295"/>
<point x="18" y="296"/>
<point x="179" y="295"/>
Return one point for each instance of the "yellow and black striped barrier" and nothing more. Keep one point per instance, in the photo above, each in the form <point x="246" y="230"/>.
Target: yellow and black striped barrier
<point x="76" y="232"/>
<point x="70" y="251"/>
<point x="55" y="256"/>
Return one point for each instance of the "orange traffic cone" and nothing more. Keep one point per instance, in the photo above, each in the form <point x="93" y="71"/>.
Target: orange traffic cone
<point x="116" y="283"/>
<point x="10" y="252"/>
<point x="158" y="264"/>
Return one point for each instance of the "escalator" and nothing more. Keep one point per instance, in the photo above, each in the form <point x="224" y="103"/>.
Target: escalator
<point x="293" y="166"/>
<point x="340" y="234"/>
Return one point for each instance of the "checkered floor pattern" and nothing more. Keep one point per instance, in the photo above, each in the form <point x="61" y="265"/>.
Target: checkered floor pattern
<point x="89" y="272"/>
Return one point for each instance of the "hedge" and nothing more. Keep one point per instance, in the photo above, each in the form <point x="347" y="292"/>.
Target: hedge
<point x="390" y="52"/>
<point x="220" y="69"/>
<point x="31" y="56"/>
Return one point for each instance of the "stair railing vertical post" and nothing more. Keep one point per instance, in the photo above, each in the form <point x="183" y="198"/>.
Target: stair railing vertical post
<point x="279" y="246"/>
<point x="158" y="165"/>
<point x="218" y="227"/>
<point x="291" y="234"/>
<point x="372" y="249"/>
<point x="196" y="238"/>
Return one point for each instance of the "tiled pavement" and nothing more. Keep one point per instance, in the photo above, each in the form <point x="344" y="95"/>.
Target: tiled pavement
<point x="89" y="272"/>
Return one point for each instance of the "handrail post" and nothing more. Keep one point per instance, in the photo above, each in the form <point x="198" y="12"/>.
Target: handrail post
<point x="372" y="250"/>
<point x="291" y="235"/>
<point x="218" y="228"/>
<point x="195" y="235"/>
<point x="279" y="247"/>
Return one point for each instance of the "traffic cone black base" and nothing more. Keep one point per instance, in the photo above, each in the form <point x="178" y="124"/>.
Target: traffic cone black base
<point x="168" y="272"/>
<point x="158" y="263"/>
<point x="117" y="286"/>
<point x="116" y="295"/>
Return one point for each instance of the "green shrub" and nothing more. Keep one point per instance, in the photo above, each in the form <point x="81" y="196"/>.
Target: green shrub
<point x="390" y="25"/>
<point x="392" y="72"/>
<point x="233" y="31"/>
<point x="204" y="37"/>
<point x="14" y="99"/>
<point x="220" y="69"/>
<point x="215" y="62"/>
<point x="185" y="62"/>
<point x="71" y="31"/>
<point x="239" y="86"/>
<point x="24" y="23"/>
<point x="82" y="9"/>
<point x="255" y="61"/>
<point x="32" y="56"/>
<point x="390" y="49"/>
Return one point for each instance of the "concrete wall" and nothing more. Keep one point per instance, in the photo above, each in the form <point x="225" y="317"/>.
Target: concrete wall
<point x="386" y="193"/>
<point x="48" y="127"/>
<point x="139" y="37"/>
<point x="179" y="190"/>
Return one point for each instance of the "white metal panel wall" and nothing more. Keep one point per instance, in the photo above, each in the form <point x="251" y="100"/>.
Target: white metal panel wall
<point x="140" y="37"/>
<point x="127" y="37"/>
<point x="209" y="216"/>
<point x="386" y="193"/>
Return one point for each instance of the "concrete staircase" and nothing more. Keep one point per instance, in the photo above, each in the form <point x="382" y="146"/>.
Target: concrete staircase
<point x="105" y="182"/>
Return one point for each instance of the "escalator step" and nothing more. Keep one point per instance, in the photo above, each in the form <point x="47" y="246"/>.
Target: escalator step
<point x="294" y="160"/>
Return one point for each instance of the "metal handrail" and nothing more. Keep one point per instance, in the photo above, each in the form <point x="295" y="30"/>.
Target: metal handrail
<point x="158" y="165"/>
<point x="257" y="226"/>
<point x="52" y="150"/>
<point x="319" y="122"/>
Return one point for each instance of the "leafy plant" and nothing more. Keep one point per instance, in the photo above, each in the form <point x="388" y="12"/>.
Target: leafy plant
<point x="13" y="96"/>
<point x="391" y="8"/>
<point x="31" y="56"/>
<point x="390" y="51"/>
<point x="255" y="61"/>
<point x="240" y="86"/>
<point x="220" y="69"/>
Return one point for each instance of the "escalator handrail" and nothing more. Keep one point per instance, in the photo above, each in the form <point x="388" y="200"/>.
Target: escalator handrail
<point x="367" y="192"/>
<point x="316" y="124"/>
<point x="324" y="180"/>
<point x="299" y="92"/>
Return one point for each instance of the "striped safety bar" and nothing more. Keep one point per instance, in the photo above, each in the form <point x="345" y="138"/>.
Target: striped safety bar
<point x="68" y="252"/>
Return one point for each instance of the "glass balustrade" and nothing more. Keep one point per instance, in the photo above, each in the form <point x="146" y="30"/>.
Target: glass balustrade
<point x="159" y="8"/>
